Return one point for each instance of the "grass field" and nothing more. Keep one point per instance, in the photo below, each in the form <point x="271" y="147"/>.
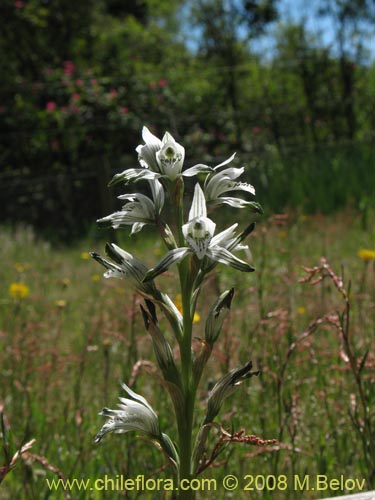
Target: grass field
<point x="68" y="342"/>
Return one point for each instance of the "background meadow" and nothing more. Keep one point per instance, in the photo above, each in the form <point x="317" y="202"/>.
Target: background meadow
<point x="74" y="335"/>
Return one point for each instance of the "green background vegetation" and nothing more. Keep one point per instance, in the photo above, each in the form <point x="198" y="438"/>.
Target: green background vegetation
<point x="79" y="81"/>
<point x="68" y="343"/>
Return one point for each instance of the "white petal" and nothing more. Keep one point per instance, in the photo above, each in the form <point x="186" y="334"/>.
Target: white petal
<point x="134" y="174"/>
<point x="137" y="227"/>
<point x="150" y="139"/>
<point x="222" y="255"/>
<point x="198" y="206"/>
<point x="231" y="173"/>
<point x="118" y="254"/>
<point x="172" y="257"/>
<point x="197" y="169"/>
<point x="137" y="397"/>
<point x="157" y="195"/>
<point x="226" y="235"/>
<point x="242" y="186"/>
<point x="225" y="162"/>
<point x="199" y="245"/>
<point x="115" y="274"/>
<point x="232" y="202"/>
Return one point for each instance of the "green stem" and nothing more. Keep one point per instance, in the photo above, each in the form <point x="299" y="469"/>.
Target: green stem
<point x="185" y="427"/>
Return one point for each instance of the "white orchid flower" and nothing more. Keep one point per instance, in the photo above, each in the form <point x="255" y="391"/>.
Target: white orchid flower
<point x="199" y="230"/>
<point x="199" y="236"/>
<point x="170" y="157"/>
<point x="134" y="414"/>
<point x="140" y="209"/>
<point x="223" y="181"/>
<point x="159" y="159"/>
<point x="124" y="265"/>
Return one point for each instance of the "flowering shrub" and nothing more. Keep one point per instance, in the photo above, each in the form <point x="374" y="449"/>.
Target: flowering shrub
<point x="63" y="133"/>
<point x="196" y="248"/>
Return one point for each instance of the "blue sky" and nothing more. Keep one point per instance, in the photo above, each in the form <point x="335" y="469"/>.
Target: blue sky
<point x="296" y="11"/>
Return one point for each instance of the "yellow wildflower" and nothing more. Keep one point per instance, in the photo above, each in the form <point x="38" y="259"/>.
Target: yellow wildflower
<point x="60" y="303"/>
<point x="178" y="304"/>
<point x="95" y="278"/>
<point x="20" y="268"/>
<point x="85" y="256"/>
<point x="301" y="310"/>
<point x="196" y="318"/>
<point x="366" y="254"/>
<point x="18" y="290"/>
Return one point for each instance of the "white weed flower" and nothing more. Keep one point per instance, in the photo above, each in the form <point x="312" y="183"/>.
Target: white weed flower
<point x="134" y="414"/>
<point x="199" y="236"/>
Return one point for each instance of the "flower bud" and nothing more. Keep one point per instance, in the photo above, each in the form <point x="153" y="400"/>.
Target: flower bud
<point x="162" y="349"/>
<point x="225" y="387"/>
<point x="217" y="316"/>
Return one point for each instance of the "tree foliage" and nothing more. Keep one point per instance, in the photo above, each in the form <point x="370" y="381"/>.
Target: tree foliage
<point x="79" y="83"/>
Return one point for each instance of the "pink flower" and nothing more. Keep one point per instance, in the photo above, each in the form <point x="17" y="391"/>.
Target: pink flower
<point x="124" y="110"/>
<point x="94" y="81"/>
<point x="19" y="4"/>
<point x="79" y="83"/>
<point x="75" y="96"/>
<point x="255" y="130"/>
<point x="68" y="68"/>
<point x="162" y="83"/>
<point x="51" y="106"/>
<point x="74" y="109"/>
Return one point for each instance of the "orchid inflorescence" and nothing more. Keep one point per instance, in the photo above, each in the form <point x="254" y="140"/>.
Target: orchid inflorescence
<point x="196" y="248"/>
